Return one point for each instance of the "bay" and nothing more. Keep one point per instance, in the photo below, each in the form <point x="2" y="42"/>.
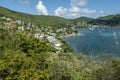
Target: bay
<point x="96" y="41"/>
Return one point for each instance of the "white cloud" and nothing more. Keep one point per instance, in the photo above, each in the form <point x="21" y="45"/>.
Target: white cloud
<point x="75" y="10"/>
<point x="64" y="12"/>
<point x="41" y="9"/>
<point x="79" y="2"/>
<point x="87" y="11"/>
<point x="60" y="10"/>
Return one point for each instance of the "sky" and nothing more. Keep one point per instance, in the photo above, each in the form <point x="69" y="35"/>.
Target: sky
<point x="64" y="8"/>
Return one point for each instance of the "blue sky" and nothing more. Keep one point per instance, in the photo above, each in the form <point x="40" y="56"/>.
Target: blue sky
<point x="64" y="8"/>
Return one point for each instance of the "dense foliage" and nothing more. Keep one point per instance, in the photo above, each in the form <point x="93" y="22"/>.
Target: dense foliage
<point x="58" y="22"/>
<point x="52" y="21"/>
<point x="28" y="58"/>
<point x="111" y="20"/>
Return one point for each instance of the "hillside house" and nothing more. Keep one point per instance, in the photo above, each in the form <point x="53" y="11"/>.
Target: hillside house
<point x="38" y="35"/>
<point x="57" y="44"/>
<point x="12" y="24"/>
<point x="18" y="22"/>
<point x="51" y="39"/>
<point x="3" y="17"/>
<point x="9" y="19"/>
<point x="21" y="28"/>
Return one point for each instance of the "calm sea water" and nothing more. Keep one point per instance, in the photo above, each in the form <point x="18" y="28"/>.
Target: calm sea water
<point x="95" y="41"/>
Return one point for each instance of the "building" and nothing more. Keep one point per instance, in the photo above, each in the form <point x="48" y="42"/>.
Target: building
<point x="21" y="28"/>
<point x="51" y="39"/>
<point x="38" y="35"/>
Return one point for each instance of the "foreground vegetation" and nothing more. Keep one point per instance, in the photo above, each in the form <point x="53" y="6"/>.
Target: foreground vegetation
<point x="28" y="58"/>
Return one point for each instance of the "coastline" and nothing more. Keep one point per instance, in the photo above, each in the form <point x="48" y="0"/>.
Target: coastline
<point x="70" y="35"/>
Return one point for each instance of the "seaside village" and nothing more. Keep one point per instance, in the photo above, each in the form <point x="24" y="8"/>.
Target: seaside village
<point x="52" y="36"/>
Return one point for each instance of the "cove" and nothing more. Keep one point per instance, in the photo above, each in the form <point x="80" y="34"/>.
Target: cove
<point x="96" y="41"/>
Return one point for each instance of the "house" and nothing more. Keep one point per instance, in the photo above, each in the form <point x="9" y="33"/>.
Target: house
<point x="57" y="44"/>
<point x="21" y="28"/>
<point x="18" y="22"/>
<point x="41" y="36"/>
<point x="3" y="17"/>
<point x="9" y="19"/>
<point x="53" y="34"/>
<point x="12" y="24"/>
<point x="51" y="39"/>
<point x="38" y="35"/>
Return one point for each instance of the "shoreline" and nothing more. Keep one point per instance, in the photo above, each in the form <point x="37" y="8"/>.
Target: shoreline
<point x="70" y="35"/>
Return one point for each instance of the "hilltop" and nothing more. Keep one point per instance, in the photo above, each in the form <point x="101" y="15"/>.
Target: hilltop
<point x="40" y="19"/>
<point x="110" y="20"/>
<point x="36" y="19"/>
<point x="58" y="22"/>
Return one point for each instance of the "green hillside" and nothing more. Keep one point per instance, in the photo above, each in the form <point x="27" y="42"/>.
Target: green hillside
<point x="110" y="20"/>
<point x="7" y="13"/>
<point x="54" y="21"/>
<point x="83" y="19"/>
<point x="37" y="19"/>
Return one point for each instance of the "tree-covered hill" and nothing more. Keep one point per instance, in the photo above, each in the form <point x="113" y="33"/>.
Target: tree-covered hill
<point x="83" y="19"/>
<point x="36" y="19"/>
<point x="8" y="13"/>
<point x="54" y="21"/>
<point x="110" y="20"/>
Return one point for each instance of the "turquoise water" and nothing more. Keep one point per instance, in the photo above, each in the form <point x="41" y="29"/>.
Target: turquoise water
<point x="95" y="41"/>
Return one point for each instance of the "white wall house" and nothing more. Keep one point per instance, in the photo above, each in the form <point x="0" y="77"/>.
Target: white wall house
<point x="40" y="36"/>
<point x="21" y="28"/>
<point x="18" y="22"/>
<point x="57" y="44"/>
<point x="37" y="35"/>
<point x="51" y="39"/>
